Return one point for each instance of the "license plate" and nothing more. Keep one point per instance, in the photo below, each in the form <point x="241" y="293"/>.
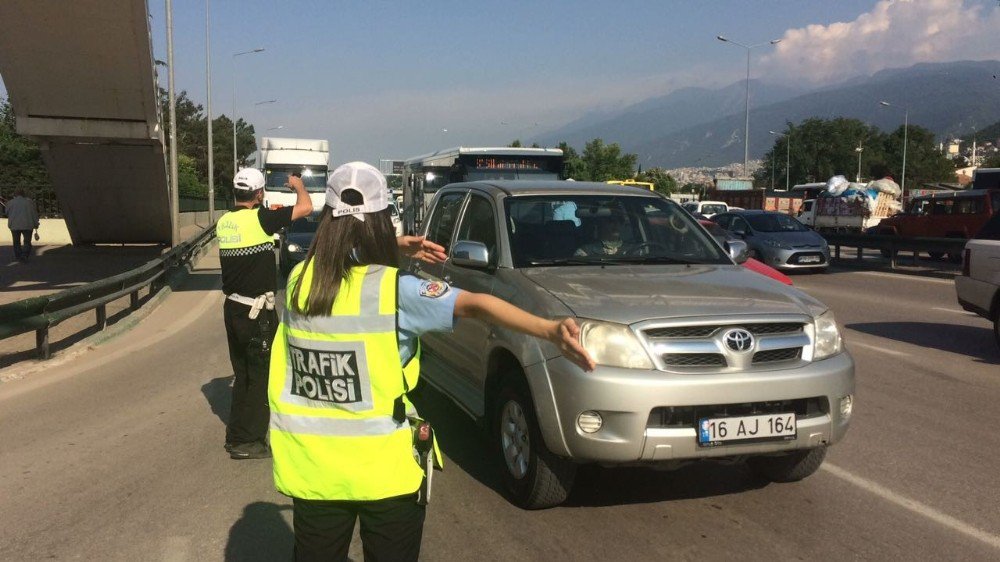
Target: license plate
<point x="809" y="259"/>
<point x="744" y="429"/>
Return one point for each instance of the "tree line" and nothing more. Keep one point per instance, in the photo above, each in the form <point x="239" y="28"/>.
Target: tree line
<point x="817" y="149"/>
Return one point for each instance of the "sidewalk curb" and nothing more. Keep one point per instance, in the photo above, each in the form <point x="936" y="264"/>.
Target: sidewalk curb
<point x="112" y="331"/>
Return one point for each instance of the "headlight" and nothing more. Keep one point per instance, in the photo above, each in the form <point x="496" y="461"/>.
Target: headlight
<point x="828" y="341"/>
<point x="777" y="244"/>
<point x="295" y="248"/>
<point x="613" y="345"/>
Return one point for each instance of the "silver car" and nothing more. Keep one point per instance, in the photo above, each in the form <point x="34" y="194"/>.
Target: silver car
<point x="778" y="239"/>
<point x="697" y="357"/>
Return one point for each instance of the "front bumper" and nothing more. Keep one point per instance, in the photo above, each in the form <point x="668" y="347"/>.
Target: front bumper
<point x="780" y="258"/>
<point x="626" y="397"/>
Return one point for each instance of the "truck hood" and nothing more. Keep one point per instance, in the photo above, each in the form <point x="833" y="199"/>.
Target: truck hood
<point x="627" y="294"/>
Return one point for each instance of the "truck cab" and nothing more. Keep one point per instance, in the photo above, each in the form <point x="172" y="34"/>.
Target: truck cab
<point x="282" y="157"/>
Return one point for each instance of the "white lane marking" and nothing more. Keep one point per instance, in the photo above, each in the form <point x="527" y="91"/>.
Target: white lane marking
<point x="853" y="343"/>
<point x="898" y="276"/>
<point x="953" y="310"/>
<point x="914" y="506"/>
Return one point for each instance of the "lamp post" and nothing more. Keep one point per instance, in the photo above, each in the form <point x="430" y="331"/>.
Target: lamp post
<point x="746" y="127"/>
<point x="906" y="126"/>
<point x="859" y="150"/>
<point x="175" y="234"/>
<point x="208" y="110"/>
<point x="241" y="53"/>
<point x="788" y="159"/>
<point x="257" y="142"/>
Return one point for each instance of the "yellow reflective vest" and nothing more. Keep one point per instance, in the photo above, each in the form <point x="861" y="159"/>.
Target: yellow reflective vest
<point x="334" y="381"/>
<point x="240" y="233"/>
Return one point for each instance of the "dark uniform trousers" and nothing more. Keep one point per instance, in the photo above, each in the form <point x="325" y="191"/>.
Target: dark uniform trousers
<point x="249" y="414"/>
<point x="391" y="529"/>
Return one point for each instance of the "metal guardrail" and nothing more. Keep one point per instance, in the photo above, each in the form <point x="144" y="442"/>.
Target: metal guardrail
<point x="891" y="245"/>
<point x="39" y="314"/>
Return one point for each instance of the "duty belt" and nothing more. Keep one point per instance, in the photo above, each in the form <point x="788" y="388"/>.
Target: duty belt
<point x="256" y="304"/>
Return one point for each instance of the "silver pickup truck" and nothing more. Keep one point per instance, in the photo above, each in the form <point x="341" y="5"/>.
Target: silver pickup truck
<point x="697" y="357"/>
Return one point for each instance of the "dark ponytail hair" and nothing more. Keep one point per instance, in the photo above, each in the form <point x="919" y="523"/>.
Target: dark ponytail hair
<point x="342" y="243"/>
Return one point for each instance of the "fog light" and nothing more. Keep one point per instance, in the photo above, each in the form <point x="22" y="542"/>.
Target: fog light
<point x="589" y="421"/>
<point x="846" y="406"/>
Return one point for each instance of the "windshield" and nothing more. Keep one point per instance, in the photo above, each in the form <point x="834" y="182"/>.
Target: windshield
<point x="713" y="209"/>
<point x="313" y="178"/>
<point x="774" y="222"/>
<point x="602" y="229"/>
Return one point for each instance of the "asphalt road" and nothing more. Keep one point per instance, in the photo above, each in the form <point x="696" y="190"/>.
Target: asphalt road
<point x="116" y="454"/>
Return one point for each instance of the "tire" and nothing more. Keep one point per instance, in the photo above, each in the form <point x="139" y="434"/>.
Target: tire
<point x="996" y="327"/>
<point x="954" y="257"/>
<point x="935" y="255"/>
<point x="535" y="480"/>
<point x="788" y="468"/>
<point x="885" y="253"/>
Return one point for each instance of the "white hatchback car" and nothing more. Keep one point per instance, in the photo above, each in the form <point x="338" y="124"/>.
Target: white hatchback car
<point x="978" y="287"/>
<point x="707" y="209"/>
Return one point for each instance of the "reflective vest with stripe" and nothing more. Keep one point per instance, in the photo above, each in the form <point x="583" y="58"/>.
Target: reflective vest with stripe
<point x="334" y="381"/>
<point x="240" y="234"/>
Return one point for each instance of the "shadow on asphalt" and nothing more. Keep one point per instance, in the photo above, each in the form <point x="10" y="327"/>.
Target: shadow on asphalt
<point x="972" y="341"/>
<point x="203" y="280"/>
<point x="465" y="445"/>
<point x="260" y="534"/>
<point x="219" y="395"/>
<point x="57" y="268"/>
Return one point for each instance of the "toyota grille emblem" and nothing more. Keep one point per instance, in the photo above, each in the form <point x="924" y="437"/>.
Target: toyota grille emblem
<point x="738" y="340"/>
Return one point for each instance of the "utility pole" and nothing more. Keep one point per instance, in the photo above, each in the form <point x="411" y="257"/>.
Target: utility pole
<point x="208" y="109"/>
<point x="175" y="233"/>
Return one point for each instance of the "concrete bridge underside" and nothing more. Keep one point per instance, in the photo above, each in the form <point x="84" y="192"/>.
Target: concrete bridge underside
<point x="81" y="80"/>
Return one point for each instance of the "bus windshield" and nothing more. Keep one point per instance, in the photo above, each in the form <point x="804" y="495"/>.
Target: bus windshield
<point x="314" y="179"/>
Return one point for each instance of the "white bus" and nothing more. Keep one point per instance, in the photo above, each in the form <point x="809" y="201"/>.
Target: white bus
<point x="424" y="175"/>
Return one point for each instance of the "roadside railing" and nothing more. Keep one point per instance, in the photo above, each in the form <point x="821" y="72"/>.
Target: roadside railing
<point x="891" y="246"/>
<point x="40" y="314"/>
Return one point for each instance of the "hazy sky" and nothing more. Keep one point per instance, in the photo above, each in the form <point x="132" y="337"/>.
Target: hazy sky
<point x="385" y="79"/>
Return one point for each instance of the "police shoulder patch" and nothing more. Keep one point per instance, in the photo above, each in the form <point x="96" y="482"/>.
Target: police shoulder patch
<point x="434" y="289"/>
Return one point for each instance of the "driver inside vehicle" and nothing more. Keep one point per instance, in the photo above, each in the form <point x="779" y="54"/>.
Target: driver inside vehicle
<point x="609" y="240"/>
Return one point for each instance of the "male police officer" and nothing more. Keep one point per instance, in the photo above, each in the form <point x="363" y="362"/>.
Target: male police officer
<point x="249" y="280"/>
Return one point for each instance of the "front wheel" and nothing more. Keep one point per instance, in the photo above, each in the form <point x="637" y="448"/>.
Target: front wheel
<point x="790" y="467"/>
<point x="534" y="477"/>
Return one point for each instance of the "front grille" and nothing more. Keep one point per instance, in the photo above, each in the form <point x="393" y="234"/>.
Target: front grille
<point x="688" y="416"/>
<point x="776" y="355"/>
<point x="765" y="329"/>
<point x="694" y="360"/>
<point x="682" y="332"/>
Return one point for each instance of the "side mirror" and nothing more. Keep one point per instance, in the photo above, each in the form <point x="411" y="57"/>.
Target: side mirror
<point x="470" y="254"/>
<point x="738" y="250"/>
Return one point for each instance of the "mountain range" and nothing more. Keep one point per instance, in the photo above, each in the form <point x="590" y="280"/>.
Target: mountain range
<point x="704" y="127"/>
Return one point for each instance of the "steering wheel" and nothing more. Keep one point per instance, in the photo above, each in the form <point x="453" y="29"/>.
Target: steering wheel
<point x="649" y="246"/>
<point x="678" y="224"/>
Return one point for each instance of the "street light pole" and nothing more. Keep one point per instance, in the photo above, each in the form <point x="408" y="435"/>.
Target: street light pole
<point x="256" y="137"/>
<point x="250" y="52"/>
<point x="746" y="126"/>
<point x="906" y="126"/>
<point x="174" y="196"/>
<point x="208" y="109"/>
<point x="859" y="150"/>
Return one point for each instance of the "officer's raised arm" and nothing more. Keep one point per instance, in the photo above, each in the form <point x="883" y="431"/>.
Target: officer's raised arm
<point x="303" y="203"/>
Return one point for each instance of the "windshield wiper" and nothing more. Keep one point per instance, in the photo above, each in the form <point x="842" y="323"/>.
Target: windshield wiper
<point x="576" y="260"/>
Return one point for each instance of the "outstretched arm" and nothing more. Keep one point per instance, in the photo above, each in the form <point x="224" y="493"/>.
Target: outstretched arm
<point x="563" y="334"/>
<point x="303" y="203"/>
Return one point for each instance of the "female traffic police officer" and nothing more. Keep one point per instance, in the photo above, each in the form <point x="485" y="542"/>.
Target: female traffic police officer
<point x="345" y="355"/>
